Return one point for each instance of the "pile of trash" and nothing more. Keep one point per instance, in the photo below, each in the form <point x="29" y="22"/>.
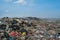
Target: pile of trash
<point x="28" y="29"/>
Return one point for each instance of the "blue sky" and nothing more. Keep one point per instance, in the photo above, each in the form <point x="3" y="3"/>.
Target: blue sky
<point x="34" y="8"/>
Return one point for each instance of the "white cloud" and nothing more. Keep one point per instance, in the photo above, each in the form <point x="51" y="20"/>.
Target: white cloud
<point x="20" y="2"/>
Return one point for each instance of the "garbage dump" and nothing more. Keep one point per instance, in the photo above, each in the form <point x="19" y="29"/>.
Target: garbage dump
<point x="29" y="29"/>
